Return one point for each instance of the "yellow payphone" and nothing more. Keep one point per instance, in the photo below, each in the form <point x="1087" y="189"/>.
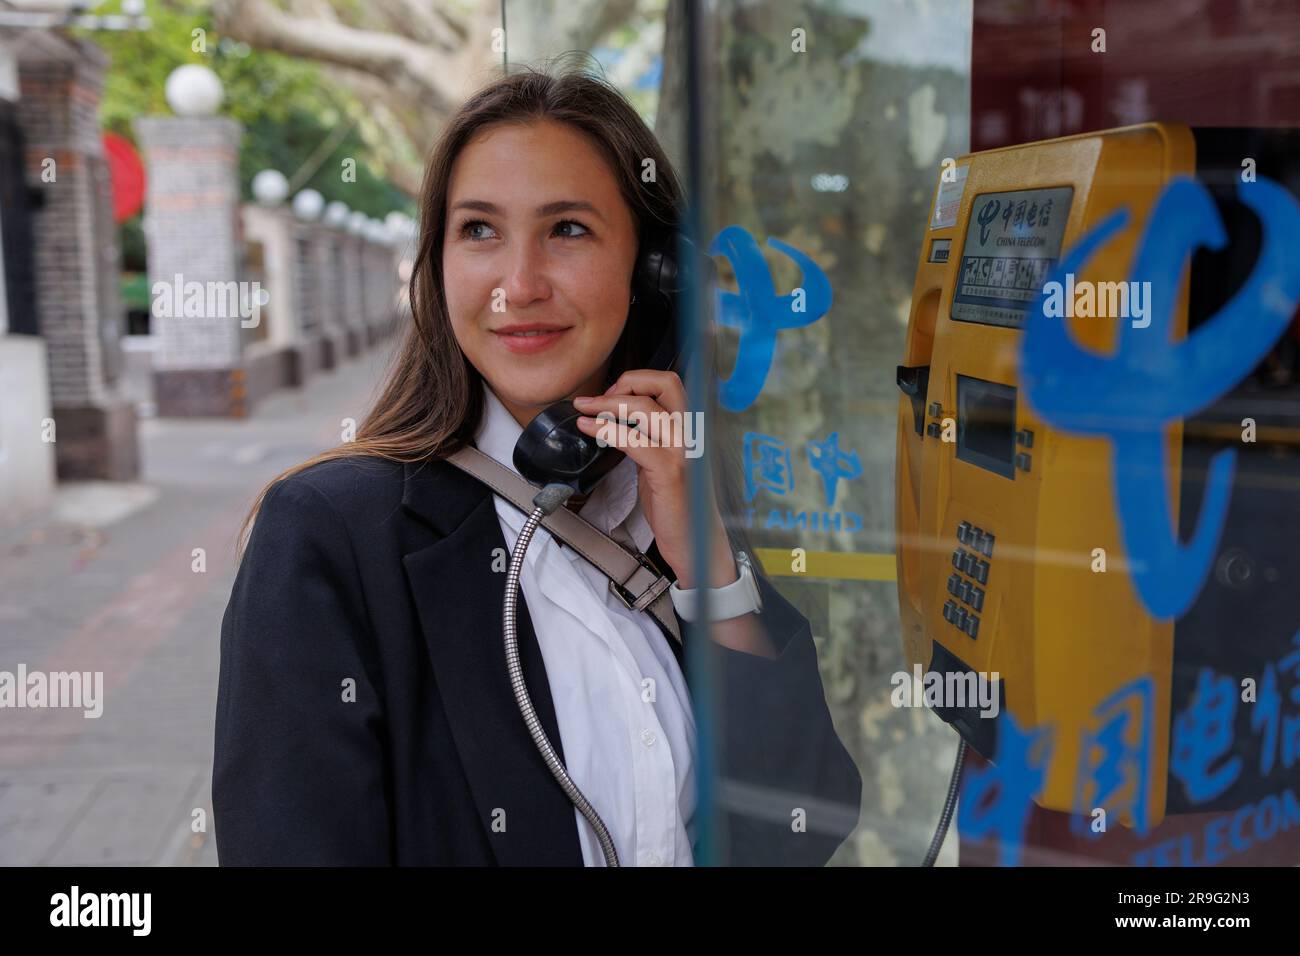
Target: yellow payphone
<point x="1011" y="558"/>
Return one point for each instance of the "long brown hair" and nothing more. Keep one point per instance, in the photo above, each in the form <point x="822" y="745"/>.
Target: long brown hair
<point x="431" y="403"/>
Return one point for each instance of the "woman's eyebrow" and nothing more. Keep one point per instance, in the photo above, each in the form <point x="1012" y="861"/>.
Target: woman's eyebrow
<point x="549" y="209"/>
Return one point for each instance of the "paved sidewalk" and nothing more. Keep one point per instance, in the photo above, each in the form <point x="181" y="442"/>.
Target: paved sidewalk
<point x="105" y="581"/>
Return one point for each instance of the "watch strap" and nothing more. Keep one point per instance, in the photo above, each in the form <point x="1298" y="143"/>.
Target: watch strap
<point x="738" y="598"/>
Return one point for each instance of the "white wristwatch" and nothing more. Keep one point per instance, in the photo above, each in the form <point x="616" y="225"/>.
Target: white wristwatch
<point x="737" y="598"/>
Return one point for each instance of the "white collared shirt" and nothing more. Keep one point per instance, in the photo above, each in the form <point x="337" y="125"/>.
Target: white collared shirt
<point x="621" y="700"/>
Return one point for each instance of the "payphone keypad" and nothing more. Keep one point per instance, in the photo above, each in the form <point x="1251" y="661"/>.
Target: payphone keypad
<point x="968" y="597"/>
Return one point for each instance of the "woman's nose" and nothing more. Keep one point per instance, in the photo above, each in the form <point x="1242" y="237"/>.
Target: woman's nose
<point x="526" y="281"/>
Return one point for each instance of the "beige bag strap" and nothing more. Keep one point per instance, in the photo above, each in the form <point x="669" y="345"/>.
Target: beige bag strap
<point x="632" y="576"/>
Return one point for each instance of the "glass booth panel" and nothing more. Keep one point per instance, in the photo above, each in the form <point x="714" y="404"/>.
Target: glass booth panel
<point x="995" y="349"/>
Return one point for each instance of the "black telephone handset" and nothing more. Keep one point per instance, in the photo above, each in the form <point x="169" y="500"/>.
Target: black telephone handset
<point x="552" y="449"/>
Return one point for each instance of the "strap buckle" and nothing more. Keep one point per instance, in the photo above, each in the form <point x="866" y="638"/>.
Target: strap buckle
<point x="650" y="594"/>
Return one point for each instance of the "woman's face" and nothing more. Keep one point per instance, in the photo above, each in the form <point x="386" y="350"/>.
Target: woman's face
<point x="538" y="237"/>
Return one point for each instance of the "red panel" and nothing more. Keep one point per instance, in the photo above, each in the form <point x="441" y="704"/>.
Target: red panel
<point x="127" y="175"/>
<point x="1034" y="74"/>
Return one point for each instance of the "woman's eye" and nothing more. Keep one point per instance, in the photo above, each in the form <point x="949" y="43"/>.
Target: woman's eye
<point x="466" y="230"/>
<point x="570" y="222"/>
<point x="477" y="230"/>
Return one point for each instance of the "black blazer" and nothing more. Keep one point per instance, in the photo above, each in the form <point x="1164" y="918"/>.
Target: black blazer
<point x="379" y="573"/>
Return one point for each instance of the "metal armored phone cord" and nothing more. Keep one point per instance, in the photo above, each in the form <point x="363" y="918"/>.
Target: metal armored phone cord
<point x="545" y="502"/>
<point x="949" y="803"/>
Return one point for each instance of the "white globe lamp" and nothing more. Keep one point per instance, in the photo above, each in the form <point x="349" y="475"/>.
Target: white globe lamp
<point x="193" y="90"/>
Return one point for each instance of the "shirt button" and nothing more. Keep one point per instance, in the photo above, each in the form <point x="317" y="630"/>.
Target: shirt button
<point x="648" y="737"/>
<point x="653" y="859"/>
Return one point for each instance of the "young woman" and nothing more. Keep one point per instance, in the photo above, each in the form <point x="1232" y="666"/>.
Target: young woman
<point x="365" y="714"/>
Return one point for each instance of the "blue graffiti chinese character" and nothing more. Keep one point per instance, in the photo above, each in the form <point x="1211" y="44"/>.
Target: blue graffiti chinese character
<point x="1291" y="724"/>
<point x="758" y="313"/>
<point x="1150" y="381"/>
<point x="832" y="464"/>
<point x="767" y="465"/>
<point x="1292" y="663"/>
<point x="997" y="798"/>
<point x="1125" y="741"/>
<point x="1203" y="734"/>
<point x="1290" y="740"/>
<point x="1267" y="714"/>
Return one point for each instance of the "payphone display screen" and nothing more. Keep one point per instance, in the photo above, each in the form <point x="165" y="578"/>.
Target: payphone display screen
<point x="986" y="425"/>
<point x="1013" y="240"/>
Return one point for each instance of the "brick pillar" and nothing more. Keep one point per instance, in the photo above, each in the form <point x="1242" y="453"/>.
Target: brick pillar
<point x="381" y="289"/>
<point x="392" y="286"/>
<point x="328" y="303"/>
<point x="310" y="295"/>
<point x="354" y="308"/>
<point x="77" y="261"/>
<point x="358" y="267"/>
<point x="192" y="231"/>
<point x="272" y="229"/>
<point x="276" y="230"/>
<point x="336" y="245"/>
<point x="371" y="292"/>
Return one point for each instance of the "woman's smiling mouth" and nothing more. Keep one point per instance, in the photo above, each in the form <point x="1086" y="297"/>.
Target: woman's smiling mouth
<point x="527" y="339"/>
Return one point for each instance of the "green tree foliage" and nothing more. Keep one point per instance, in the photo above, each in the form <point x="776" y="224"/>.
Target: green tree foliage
<point x="286" y="107"/>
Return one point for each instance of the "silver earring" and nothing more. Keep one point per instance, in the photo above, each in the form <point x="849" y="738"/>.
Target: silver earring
<point x="633" y="302"/>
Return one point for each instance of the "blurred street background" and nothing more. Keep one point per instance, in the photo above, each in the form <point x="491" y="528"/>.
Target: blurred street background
<point x="105" y="580"/>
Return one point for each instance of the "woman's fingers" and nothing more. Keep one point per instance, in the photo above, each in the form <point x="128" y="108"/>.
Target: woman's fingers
<point x="663" y="440"/>
<point x="628" y="415"/>
<point x="636" y="410"/>
<point x="662" y="466"/>
<point x="664" y="387"/>
<point x="627" y="437"/>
